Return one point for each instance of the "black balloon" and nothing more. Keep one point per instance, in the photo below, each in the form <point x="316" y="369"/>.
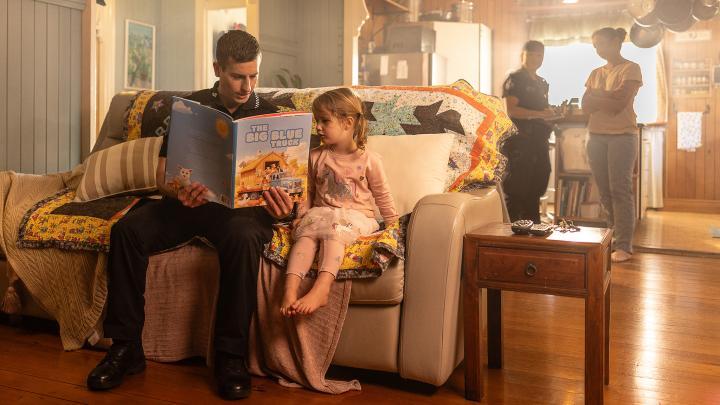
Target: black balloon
<point x="682" y="26"/>
<point x="671" y="12"/>
<point x="646" y="37"/>
<point x="704" y="10"/>
<point x="647" y="20"/>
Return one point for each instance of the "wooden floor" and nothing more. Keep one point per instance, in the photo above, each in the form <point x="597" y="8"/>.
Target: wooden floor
<point x="665" y="349"/>
<point x="678" y="232"/>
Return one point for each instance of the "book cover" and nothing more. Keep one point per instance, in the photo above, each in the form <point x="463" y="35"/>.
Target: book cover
<point x="237" y="160"/>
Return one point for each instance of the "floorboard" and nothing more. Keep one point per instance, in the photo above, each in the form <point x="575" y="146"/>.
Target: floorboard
<point x="664" y="349"/>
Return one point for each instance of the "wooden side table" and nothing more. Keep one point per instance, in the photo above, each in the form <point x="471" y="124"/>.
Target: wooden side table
<point x="573" y="264"/>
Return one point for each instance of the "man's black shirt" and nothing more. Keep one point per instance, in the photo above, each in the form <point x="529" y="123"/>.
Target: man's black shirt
<point x="531" y="93"/>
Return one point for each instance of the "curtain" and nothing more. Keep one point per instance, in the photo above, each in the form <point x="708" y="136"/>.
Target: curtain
<point x="561" y="30"/>
<point x="662" y="86"/>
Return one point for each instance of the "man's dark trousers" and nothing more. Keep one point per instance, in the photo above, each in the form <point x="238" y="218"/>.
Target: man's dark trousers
<point x="528" y="173"/>
<point x="238" y="236"/>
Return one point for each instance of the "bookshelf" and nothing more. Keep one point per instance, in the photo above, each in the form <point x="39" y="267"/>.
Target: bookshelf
<point x="576" y="194"/>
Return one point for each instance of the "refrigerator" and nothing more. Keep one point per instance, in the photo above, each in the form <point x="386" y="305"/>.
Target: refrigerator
<point x="459" y="51"/>
<point x="402" y="69"/>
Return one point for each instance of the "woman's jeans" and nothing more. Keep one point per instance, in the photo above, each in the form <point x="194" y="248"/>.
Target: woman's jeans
<point x="612" y="160"/>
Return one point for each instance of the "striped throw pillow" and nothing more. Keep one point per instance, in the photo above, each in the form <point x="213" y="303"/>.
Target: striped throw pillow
<point x="124" y="168"/>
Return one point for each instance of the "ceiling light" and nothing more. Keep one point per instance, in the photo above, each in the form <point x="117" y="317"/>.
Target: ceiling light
<point x="569" y="1"/>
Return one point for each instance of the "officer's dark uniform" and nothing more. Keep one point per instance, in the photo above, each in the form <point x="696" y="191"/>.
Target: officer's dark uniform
<point x="528" y="169"/>
<point x="238" y="236"/>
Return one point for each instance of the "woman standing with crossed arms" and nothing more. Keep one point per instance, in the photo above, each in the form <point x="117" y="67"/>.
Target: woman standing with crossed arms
<point x="613" y="145"/>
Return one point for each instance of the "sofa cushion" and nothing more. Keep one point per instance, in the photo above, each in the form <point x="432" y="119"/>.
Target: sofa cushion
<point x="415" y="165"/>
<point x="385" y="290"/>
<point x="125" y="168"/>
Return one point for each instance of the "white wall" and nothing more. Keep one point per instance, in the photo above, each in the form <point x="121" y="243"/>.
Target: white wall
<point x="305" y="37"/>
<point x="176" y="50"/>
<point x="278" y="39"/>
<point x="174" y="22"/>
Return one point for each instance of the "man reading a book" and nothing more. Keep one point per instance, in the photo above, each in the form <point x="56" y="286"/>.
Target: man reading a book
<point x="183" y="213"/>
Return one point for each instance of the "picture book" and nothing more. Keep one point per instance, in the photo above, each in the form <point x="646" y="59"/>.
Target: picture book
<point x="237" y="160"/>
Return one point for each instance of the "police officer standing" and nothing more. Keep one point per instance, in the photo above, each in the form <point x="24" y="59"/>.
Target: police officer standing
<point x="528" y="168"/>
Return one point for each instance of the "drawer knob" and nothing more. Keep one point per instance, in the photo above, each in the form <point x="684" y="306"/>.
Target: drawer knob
<point x="531" y="269"/>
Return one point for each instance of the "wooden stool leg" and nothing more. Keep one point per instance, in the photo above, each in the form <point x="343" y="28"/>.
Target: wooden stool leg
<point x="606" y="366"/>
<point x="594" y="349"/>
<point x="494" y="328"/>
<point x="473" y="349"/>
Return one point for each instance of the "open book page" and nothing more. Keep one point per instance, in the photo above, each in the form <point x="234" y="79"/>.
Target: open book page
<point x="200" y="149"/>
<point x="271" y="151"/>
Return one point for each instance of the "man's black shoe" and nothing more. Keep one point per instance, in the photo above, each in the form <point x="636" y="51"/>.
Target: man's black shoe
<point x="232" y="376"/>
<point x="123" y="358"/>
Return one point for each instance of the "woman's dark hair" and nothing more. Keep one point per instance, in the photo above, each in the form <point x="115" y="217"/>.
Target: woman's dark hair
<point x="617" y="34"/>
<point x="533" y="46"/>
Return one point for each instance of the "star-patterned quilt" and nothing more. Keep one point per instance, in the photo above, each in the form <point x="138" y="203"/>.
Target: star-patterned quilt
<point x="477" y="122"/>
<point x="149" y="114"/>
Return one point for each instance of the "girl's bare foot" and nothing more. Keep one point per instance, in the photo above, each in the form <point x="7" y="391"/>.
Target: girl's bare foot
<point x="289" y="298"/>
<point x="314" y="299"/>
<point x="292" y="284"/>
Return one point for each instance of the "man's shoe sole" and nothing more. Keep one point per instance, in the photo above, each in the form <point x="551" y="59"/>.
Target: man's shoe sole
<point x="233" y="395"/>
<point x="112" y="384"/>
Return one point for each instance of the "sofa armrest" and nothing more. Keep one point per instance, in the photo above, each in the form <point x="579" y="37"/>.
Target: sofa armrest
<point x="431" y="323"/>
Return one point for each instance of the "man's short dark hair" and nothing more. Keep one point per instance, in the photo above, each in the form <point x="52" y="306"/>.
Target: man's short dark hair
<point x="237" y="45"/>
<point x="534" y="46"/>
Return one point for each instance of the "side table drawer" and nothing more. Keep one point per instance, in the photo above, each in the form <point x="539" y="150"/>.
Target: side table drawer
<point x="547" y="269"/>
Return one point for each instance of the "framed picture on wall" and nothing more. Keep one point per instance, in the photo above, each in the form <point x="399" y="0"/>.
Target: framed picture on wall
<point x="139" y="55"/>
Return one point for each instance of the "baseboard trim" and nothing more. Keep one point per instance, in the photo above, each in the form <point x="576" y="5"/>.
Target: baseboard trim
<point x="675" y="252"/>
<point x="692" y="205"/>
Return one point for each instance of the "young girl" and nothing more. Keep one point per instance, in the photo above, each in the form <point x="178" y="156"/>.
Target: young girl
<point x="613" y="143"/>
<point x="343" y="180"/>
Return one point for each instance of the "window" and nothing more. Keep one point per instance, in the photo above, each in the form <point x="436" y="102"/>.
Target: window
<point x="567" y="67"/>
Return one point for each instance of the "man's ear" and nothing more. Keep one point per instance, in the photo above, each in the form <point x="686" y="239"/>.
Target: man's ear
<point x="217" y="68"/>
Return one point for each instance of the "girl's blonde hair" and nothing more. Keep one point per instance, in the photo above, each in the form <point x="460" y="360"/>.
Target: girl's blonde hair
<point x="343" y="103"/>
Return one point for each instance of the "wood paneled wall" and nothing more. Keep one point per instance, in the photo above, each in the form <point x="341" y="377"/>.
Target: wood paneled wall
<point x="507" y="22"/>
<point x="40" y="56"/>
<point x="691" y="178"/>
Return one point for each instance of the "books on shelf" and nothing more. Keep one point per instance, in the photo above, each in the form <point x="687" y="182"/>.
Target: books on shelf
<point x="578" y="198"/>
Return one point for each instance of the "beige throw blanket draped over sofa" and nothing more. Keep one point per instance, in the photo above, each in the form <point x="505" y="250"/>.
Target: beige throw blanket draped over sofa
<point x="68" y="284"/>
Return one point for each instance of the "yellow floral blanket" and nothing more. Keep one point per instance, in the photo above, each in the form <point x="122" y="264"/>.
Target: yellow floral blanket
<point x="59" y="222"/>
<point x="368" y="257"/>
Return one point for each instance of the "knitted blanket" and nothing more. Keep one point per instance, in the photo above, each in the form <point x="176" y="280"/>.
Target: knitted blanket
<point x="68" y="285"/>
